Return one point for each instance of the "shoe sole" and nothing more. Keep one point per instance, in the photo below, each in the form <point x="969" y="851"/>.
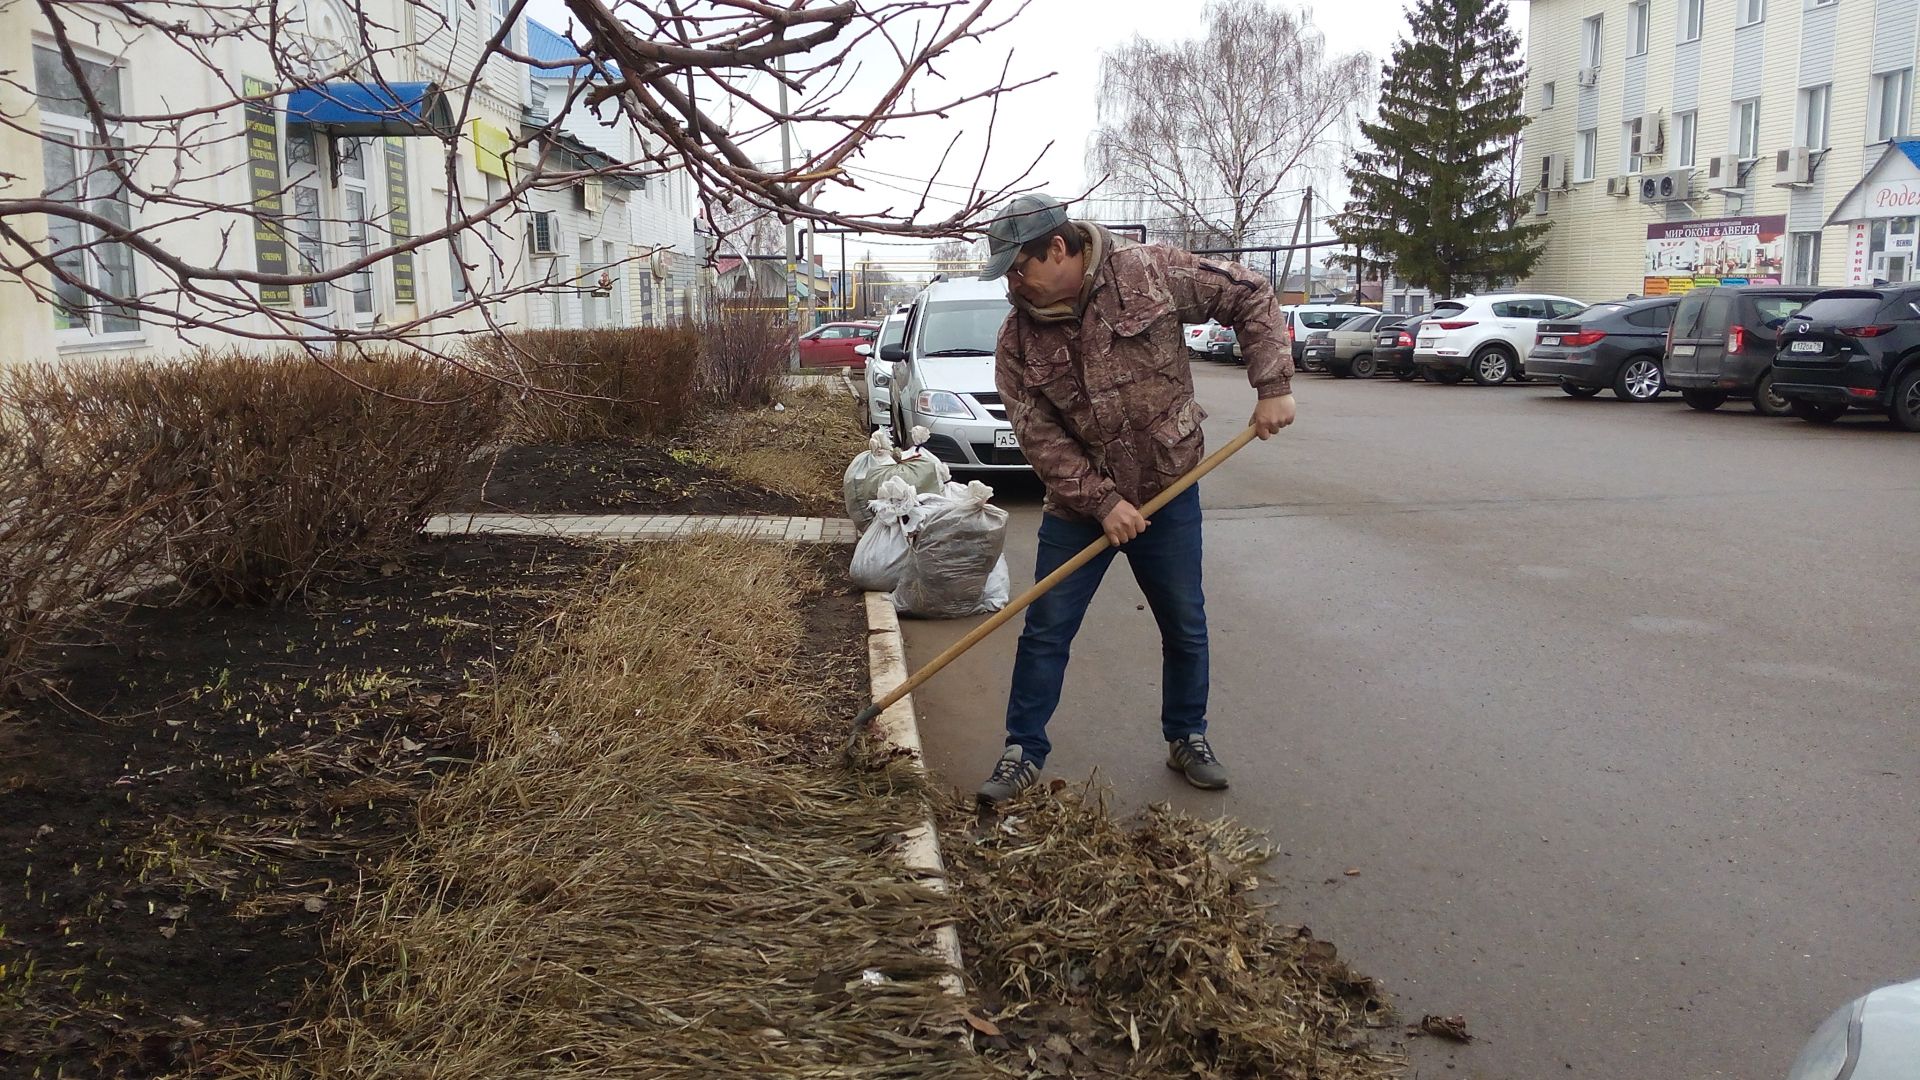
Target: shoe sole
<point x="1221" y="786"/>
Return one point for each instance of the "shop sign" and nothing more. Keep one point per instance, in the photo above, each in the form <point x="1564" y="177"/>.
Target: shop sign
<point x="1686" y="255"/>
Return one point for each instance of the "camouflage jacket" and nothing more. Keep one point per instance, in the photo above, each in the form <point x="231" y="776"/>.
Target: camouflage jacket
<point x="1104" y="407"/>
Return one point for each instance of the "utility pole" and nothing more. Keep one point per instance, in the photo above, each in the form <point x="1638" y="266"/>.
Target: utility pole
<point x="1306" y="211"/>
<point x="786" y="165"/>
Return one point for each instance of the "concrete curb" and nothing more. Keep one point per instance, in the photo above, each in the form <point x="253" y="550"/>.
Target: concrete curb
<point x="898" y="726"/>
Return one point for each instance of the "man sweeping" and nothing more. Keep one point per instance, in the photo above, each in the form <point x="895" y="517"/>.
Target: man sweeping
<point x="1094" y="373"/>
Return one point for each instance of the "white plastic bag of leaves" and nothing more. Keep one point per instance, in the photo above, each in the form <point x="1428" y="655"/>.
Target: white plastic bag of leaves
<point x="881" y="462"/>
<point x="881" y="555"/>
<point x="956" y="556"/>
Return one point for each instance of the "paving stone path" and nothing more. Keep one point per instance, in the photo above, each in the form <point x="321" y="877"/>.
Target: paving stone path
<point x="805" y="530"/>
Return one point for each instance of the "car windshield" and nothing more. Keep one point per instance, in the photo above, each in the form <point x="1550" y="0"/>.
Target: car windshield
<point x="1597" y="312"/>
<point x="892" y="332"/>
<point x="1854" y="310"/>
<point x="1449" y="307"/>
<point x="1774" y="310"/>
<point x="962" y="327"/>
<point x="1358" y="322"/>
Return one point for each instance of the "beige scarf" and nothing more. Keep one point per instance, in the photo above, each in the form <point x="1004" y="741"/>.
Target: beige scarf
<point x="1095" y="252"/>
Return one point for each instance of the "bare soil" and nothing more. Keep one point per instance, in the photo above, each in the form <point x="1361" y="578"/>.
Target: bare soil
<point x="609" y="479"/>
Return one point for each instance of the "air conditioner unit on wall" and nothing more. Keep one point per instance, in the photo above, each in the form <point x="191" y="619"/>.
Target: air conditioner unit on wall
<point x="1553" y="172"/>
<point x="1724" y="173"/>
<point x="1653" y="136"/>
<point x="1589" y="76"/>
<point x="1658" y="189"/>
<point x="543" y="235"/>
<point x="1793" y="167"/>
<point x="1620" y="185"/>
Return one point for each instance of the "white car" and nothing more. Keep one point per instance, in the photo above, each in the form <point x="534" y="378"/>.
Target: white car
<point x="1196" y="336"/>
<point x="1485" y="336"/>
<point x="879" y="373"/>
<point x="943" y="378"/>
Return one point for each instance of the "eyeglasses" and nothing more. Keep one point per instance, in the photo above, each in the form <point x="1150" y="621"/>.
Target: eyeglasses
<point x="1019" y="267"/>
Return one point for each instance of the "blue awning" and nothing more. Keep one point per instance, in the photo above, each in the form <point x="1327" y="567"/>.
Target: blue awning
<point x="416" y="108"/>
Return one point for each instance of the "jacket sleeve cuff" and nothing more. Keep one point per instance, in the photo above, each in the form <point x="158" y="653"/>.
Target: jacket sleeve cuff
<point x="1106" y="504"/>
<point x="1279" y="387"/>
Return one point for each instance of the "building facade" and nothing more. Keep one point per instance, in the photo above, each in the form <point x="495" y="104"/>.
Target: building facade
<point x="398" y="130"/>
<point x="1676" y="143"/>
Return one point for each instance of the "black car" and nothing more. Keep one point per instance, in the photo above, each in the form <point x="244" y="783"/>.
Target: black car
<point x="1393" y="349"/>
<point x="1616" y="344"/>
<point x="1723" y="344"/>
<point x="1853" y="348"/>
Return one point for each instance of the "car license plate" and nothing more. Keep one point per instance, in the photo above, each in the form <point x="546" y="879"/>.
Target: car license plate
<point x="1387" y="341"/>
<point x="1006" y="440"/>
<point x="1683" y="350"/>
<point x="1807" y="346"/>
<point x="1549" y="340"/>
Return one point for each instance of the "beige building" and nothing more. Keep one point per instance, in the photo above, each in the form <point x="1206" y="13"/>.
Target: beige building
<point x="1677" y="143"/>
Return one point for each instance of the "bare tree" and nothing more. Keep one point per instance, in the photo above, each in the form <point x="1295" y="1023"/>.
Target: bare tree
<point x="165" y="200"/>
<point x="1202" y="137"/>
<point x="953" y="251"/>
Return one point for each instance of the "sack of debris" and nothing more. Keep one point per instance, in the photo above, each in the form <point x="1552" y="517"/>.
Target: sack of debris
<point x="880" y="462"/>
<point x="956" y="567"/>
<point x="880" y="558"/>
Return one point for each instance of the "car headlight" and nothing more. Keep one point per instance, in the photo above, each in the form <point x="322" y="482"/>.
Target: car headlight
<point x="881" y="378"/>
<point x="941" y="403"/>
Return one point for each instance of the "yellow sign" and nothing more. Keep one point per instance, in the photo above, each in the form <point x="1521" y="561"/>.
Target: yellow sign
<point x="491" y="148"/>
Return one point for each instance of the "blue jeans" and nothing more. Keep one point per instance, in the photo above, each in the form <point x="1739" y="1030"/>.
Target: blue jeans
<point x="1166" y="563"/>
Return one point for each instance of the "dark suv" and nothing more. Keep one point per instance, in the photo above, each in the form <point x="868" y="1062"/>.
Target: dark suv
<point x="1723" y="342"/>
<point x="1853" y="348"/>
<point x="1393" y="349"/>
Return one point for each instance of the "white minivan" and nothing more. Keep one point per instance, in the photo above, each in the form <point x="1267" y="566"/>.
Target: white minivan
<point x="1485" y="336"/>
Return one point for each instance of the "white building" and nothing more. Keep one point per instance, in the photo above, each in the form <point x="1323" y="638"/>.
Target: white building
<point x="1683" y="142"/>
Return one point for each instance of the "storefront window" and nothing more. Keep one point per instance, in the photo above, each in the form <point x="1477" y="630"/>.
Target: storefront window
<point x="1806" y="259"/>
<point x="1891" y="248"/>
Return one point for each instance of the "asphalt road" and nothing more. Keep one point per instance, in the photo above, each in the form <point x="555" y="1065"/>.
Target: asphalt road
<point x="1610" y="705"/>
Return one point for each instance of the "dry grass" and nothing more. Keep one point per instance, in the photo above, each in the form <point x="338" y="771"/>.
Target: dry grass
<point x="655" y="871"/>
<point x="800" y="452"/>
<point x="1141" y="939"/>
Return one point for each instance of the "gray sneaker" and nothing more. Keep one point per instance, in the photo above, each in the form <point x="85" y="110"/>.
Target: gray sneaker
<point x="1195" y="758"/>
<point x="1012" y="774"/>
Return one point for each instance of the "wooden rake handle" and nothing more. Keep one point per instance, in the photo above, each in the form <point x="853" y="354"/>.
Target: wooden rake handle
<point x="1025" y="599"/>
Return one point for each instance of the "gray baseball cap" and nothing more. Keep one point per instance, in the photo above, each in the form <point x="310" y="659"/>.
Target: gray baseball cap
<point x="1024" y="218"/>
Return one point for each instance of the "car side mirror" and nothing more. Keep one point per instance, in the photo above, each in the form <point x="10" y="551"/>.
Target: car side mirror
<point x="893" y="354"/>
<point x="863" y="349"/>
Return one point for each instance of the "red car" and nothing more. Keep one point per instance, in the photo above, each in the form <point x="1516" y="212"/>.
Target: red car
<point x="832" y="345"/>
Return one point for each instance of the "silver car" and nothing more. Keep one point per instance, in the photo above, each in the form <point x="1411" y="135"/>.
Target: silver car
<point x="879" y="374"/>
<point x="943" y="376"/>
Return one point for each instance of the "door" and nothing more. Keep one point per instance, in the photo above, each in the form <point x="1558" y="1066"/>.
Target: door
<point x="1683" y="355"/>
<point x="1709" y="337"/>
<point x="1514" y="322"/>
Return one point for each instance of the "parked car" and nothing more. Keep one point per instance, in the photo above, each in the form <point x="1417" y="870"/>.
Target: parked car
<point x="1853" y="348"/>
<point x="1723" y="344"/>
<point x="1304" y="319"/>
<point x="1619" y="344"/>
<point x="943" y="375"/>
<point x="1195" y="335"/>
<point x="879" y="372"/>
<point x="832" y="344"/>
<point x="1393" y="349"/>
<point x="1222" y="343"/>
<point x="1346" y="351"/>
<point x="1485" y="336"/>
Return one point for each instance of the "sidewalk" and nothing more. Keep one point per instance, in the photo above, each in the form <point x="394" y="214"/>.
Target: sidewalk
<point x="803" y="530"/>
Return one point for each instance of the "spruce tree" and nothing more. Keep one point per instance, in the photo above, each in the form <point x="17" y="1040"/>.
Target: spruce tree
<point x="1432" y="195"/>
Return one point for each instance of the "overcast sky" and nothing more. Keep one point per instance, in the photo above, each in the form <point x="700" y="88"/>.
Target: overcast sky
<point x="1064" y="37"/>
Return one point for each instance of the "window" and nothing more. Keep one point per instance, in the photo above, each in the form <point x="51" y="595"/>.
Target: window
<point x="1892" y="96"/>
<point x="1692" y="14"/>
<point x="1746" y="129"/>
<point x="354" y="214"/>
<point x="1813" y="116"/>
<point x="1637" y="28"/>
<point x="1590" y="43"/>
<point x="1629" y="136"/>
<point x="1546" y="96"/>
<point x="456" y="268"/>
<point x="1584" y="147"/>
<point x="1750" y="12"/>
<point x="79" y="173"/>
<point x="1658" y="317"/>
<point x="1685" y="125"/>
<point x="306" y="243"/>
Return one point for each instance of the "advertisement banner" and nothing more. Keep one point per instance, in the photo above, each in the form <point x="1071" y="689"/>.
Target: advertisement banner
<point x="399" y="217"/>
<point x="263" y="171"/>
<point x="1687" y="255"/>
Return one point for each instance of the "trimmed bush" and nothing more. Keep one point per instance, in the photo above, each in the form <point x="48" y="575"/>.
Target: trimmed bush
<point x="743" y="354"/>
<point x="573" y="386"/>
